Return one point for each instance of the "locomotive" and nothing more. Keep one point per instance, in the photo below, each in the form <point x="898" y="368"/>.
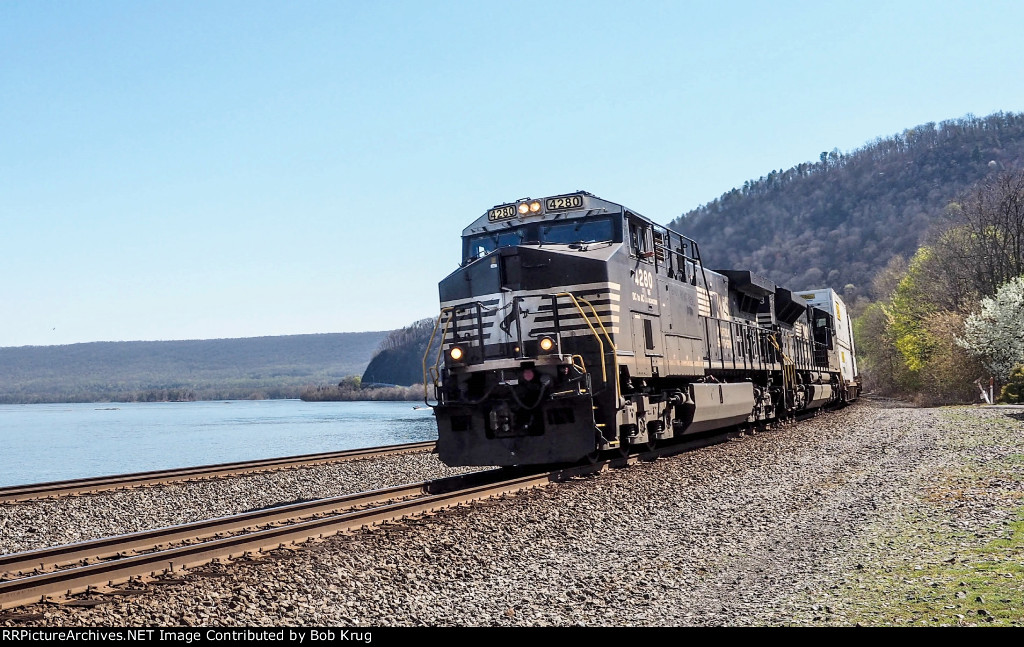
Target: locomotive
<point x="576" y="326"/>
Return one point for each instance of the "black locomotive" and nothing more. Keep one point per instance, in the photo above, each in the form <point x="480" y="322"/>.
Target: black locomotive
<point x="575" y="326"/>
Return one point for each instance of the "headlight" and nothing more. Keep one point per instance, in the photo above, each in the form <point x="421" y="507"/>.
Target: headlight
<point x="524" y="208"/>
<point x="455" y="353"/>
<point x="534" y="206"/>
<point x="546" y="344"/>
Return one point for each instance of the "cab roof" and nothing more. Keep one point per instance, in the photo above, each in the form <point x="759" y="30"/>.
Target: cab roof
<point x="559" y="207"/>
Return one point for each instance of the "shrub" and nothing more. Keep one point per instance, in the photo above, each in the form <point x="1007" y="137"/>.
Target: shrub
<point x="1013" y="390"/>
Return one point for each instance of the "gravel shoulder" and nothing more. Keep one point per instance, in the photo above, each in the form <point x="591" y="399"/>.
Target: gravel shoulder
<point x="814" y="523"/>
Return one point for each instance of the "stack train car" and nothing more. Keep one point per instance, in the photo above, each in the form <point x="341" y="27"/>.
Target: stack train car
<point x="574" y="326"/>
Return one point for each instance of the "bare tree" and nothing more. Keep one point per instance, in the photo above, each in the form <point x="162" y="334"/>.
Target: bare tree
<point x="982" y="246"/>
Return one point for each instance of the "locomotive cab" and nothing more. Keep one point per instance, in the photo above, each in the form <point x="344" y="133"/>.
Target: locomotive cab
<point x="528" y="333"/>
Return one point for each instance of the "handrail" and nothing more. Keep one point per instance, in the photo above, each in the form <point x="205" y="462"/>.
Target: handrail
<point x="604" y="368"/>
<point x="440" y="349"/>
<point x="600" y="342"/>
<point x="582" y="366"/>
<point x="433" y="373"/>
<point x="788" y="367"/>
<point x="775" y="343"/>
<point x="615" y="357"/>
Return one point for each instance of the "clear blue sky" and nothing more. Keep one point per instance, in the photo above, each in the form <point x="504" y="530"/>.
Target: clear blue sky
<point x="189" y="170"/>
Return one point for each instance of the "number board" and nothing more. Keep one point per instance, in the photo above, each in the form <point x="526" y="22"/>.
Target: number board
<point x="565" y="202"/>
<point x="502" y="213"/>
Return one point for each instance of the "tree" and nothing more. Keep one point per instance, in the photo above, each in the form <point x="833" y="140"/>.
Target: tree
<point x="881" y="364"/>
<point x="907" y="310"/>
<point x="352" y="382"/>
<point x="985" y="234"/>
<point x="1013" y="391"/>
<point x="885" y="281"/>
<point x="996" y="333"/>
<point x="947" y="375"/>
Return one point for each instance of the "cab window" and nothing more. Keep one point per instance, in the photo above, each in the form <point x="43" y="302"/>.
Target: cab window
<point x="640" y="240"/>
<point x="483" y="244"/>
<point x="578" y="231"/>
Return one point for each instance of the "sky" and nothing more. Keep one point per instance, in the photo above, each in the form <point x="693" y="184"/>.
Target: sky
<point x="220" y="169"/>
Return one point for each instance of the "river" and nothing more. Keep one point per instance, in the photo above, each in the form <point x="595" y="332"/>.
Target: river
<point x="51" y="442"/>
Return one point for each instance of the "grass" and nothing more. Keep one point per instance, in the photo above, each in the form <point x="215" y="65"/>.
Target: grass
<point x="982" y="584"/>
<point x="958" y="557"/>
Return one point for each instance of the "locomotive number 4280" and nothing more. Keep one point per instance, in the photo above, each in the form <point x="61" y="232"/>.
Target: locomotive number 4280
<point x="564" y="202"/>
<point x="644" y="279"/>
<point x="502" y="213"/>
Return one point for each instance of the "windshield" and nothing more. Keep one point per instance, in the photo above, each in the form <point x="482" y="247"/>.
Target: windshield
<point x="563" y="232"/>
<point x="578" y="231"/>
<point x="484" y="244"/>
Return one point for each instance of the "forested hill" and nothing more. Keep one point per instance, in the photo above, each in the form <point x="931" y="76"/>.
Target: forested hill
<point x="835" y="222"/>
<point x="257" y="367"/>
<point x="399" y="360"/>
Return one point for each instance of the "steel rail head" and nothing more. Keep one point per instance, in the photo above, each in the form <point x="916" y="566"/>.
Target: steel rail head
<point x="17" y="493"/>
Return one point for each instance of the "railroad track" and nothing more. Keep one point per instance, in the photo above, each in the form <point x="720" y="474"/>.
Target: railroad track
<point x="15" y="493"/>
<point x="127" y="563"/>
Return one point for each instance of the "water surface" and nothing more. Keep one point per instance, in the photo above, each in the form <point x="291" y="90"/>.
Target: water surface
<point x="51" y="442"/>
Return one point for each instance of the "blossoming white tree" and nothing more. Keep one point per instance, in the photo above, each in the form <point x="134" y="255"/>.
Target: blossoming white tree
<point x="996" y="334"/>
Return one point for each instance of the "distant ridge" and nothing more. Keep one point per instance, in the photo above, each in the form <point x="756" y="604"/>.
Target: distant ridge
<point x="209" y="369"/>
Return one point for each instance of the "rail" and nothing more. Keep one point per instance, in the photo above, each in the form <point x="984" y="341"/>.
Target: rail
<point x="16" y="493"/>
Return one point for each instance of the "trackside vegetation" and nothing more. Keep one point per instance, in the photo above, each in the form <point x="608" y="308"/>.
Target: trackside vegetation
<point x="951" y="319"/>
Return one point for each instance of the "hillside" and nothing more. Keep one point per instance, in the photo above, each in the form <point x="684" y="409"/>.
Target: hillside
<point x="260" y="367"/>
<point x="399" y="359"/>
<point x="835" y="222"/>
